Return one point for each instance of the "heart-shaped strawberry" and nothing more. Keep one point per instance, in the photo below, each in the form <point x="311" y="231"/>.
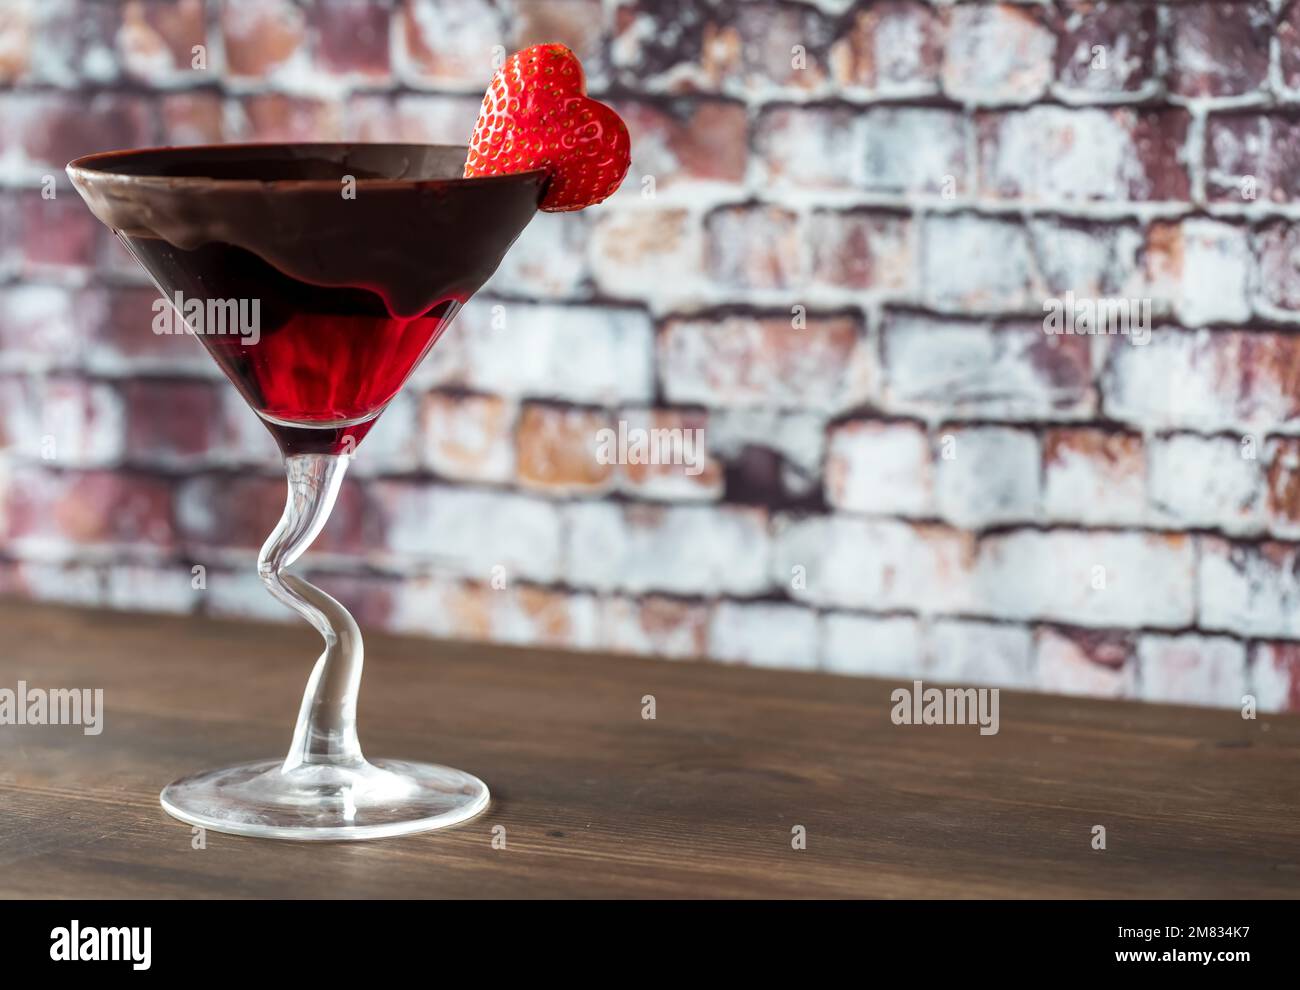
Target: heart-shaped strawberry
<point x="537" y="114"/>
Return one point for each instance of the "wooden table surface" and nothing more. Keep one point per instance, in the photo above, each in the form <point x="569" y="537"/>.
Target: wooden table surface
<point x="597" y="801"/>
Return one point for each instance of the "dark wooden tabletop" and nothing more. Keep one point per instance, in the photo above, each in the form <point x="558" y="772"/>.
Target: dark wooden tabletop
<point x="597" y="801"/>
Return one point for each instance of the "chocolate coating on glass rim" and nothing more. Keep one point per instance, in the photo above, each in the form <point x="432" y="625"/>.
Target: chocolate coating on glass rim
<point x="416" y="232"/>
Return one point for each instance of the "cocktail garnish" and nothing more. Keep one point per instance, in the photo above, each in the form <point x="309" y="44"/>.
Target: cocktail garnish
<point x="536" y="114"/>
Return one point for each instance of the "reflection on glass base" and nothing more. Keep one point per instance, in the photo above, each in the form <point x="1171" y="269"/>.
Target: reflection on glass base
<point x="326" y="802"/>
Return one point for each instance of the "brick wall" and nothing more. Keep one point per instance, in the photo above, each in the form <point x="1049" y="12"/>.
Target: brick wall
<point x="832" y="255"/>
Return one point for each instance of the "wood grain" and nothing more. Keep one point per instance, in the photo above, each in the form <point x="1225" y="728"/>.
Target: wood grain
<point x="598" y="802"/>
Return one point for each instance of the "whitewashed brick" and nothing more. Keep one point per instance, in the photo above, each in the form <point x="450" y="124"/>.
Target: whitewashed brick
<point x="742" y="361"/>
<point x="880" y="564"/>
<point x="655" y="255"/>
<point x="676" y="549"/>
<point x="1094" y="477"/>
<point x="992" y="477"/>
<point x="1202" y="380"/>
<point x="1192" y="670"/>
<point x="655" y="626"/>
<point x="997" y="52"/>
<point x="471" y="532"/>
<point x="984" y="653"/>
<point x="548" y="261"/>
<point x="152" y="589"/>
<point x="1204" y="269"/>
<point x="951" y="369"/>
<point x="1148" y="579"/>
<point x="977" y="264"/>
<point x="63" y="421"/>
<point x="578" y="353"/>
<point x="1275" y="677"/>
<point x="1206" y="482"/>
<point x="876" y="646"/>
<point x="880" y="468"/>
<point x="1069" y="664"/>
<point x="764" y="634"/>
<point x="1249" y="589"/>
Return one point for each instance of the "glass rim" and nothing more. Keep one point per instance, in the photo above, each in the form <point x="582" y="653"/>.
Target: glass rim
<point x="97" y="166"/>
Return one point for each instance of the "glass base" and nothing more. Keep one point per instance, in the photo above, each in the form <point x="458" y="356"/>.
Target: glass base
<point x="326" y="803"/>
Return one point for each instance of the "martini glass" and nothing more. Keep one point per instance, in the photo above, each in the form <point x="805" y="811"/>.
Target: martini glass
<point x="317" y="276"/>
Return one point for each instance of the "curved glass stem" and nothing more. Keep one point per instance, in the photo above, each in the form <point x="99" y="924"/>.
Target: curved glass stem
<point x="326" y="732"/>
<point x="324" y="789"/>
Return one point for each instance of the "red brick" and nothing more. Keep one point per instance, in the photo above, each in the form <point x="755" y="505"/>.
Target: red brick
<point x="371" y="598"/>
<point x="351" y="38"/>
<point x="192" y="118"/>
<point x="62" y="421"/>
<point x="11" y="247"/>
<point x="16" y="30"/>
<point x="754" y="247"/>
<point x="755" y="52"/>
<point x="1283" y="480"/>
<point x="469" y="438"/>
<point x="452" y="44"/>
<point x="516" y="613"/>
<point x="58" y="233"/>
<point x="45" y="326"/>
<point x="1202" y="267"/>
<point x="54" y="128"/>
<point x="686" y="46"/>
<point x="685" y="141"/>
<point x="1094" y="477"/>
<point x="963" y="370"/>
<point x="261" y="36"/>
<point x="172" y="422"/>
<point x="60" y="510"/>
<point x="555" y="450"/>
<point x="744" y="360"/>
<point x="1051" y="153"/>
<point x="232" y="511"/>
<point x="123" y="338"/>
<point x="1288" y="46"/>
<point x="697" y="479"/>
<point x="1275" y="676"/>
<point x="578" y="24"/>
<point x="73" y="42"/>
<point x="997" y="53"/>
<point x="157" y="39"/>
<point x="887" y="47"/>
<point x="550" y="258"/>
<point x="655" y="626"/>
<point x="1099" y="663"/>
<point x="1252" y="157"/>
<point x="1219" y="49"/>
<point x="1192" y="669"/>
<point x="814" y="147"/>
<point x="1127" y="34"/>
<point x="651" y="254"/>
<point x="275" y="117"/>
<point x="414" y="118"/>
<point x="1278" y="257"/>
<point x="862" y="249"/>
<point x="1205" y="380"/>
